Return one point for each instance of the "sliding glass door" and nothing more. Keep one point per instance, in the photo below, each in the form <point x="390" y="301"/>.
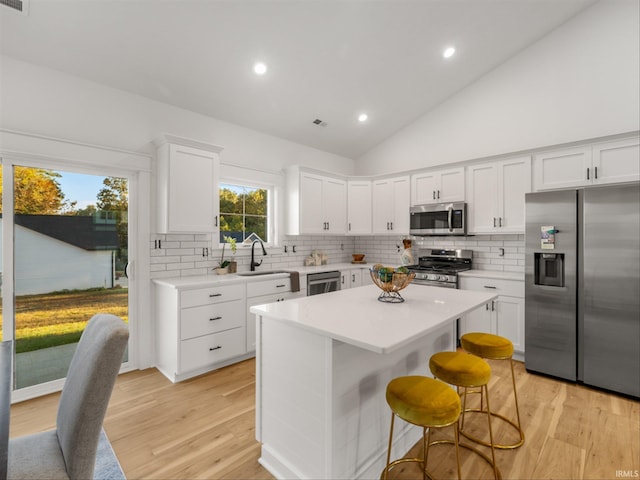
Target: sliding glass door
<point x="70" y="253"/>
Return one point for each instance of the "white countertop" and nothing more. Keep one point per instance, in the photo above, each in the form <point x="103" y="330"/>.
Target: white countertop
<point x="493" y="274"/>
<point x="200" y="281"/>
<point x="355" y="316"/>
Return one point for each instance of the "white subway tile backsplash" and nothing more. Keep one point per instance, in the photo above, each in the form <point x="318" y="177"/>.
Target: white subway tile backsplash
<point x="182" y="255"/>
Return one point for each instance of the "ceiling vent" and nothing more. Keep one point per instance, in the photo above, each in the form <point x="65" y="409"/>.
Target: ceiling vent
<point x="319" y="122"/>
<point x="19" y="5"/>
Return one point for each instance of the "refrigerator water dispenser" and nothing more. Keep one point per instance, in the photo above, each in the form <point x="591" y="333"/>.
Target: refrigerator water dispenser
<point x="549" y="269"/>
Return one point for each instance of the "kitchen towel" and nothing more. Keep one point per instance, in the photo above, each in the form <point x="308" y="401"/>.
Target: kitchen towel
<point x="295" y="281"/>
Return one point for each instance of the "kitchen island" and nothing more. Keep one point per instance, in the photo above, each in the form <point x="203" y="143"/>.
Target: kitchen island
<point x="322" y="366"/>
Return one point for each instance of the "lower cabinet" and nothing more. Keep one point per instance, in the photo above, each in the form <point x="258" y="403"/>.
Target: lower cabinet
<point x="199" y="329"/>
<point x="503" y="316"/>
<point x="351" y="278"/>
<point x="268" y="291"/>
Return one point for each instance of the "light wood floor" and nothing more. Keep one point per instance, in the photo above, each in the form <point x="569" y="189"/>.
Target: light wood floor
<point x="204" y="428"/>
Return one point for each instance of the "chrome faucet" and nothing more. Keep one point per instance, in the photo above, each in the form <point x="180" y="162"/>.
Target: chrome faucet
<point x="255" y="264"/>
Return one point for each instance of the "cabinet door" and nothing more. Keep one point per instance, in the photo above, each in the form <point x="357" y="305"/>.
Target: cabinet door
<point x="356" y="277"/>
<point x="478" y="320"/>
<point x="509" y="314"/>
<point x="382" y="192"/>
<point x="514" y="180"/>
<point x="424" y="188"/>
<point x="616" y="161"/>
<point x="359" y="207"/>
<point x="400" y="219"/>
<point x="482" y="193"/>
<point x="191" y="186"/>
<point x="451" y="186"/>
<point x="570" y="167"/>
<point x="311" y="212"/>
<point x="334" y="205"/>
<point x="251" y="318"/>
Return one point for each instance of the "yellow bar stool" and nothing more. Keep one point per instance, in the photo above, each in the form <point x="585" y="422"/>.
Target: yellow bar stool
<point x="467" y="371"/>
<point x="493" y="347"/>
<point x="427" y="403"/>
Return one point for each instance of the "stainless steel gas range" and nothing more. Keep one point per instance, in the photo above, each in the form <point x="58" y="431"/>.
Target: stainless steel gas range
<point x="439" y="267"/>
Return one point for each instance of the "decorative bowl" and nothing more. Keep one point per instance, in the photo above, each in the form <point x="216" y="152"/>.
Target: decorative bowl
<point x="390" y="282"/>
<point x="358" y="257"/>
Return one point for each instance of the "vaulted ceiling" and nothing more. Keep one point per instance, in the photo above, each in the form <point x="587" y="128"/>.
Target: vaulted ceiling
<point x="329" y="60"/>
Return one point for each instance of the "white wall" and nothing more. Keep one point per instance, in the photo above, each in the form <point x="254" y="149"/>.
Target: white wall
<point x="40" y="100"/>
<point x="579" y="82"/>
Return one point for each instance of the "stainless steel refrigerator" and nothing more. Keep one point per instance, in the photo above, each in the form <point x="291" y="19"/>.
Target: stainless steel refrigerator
<point x="582" y="286"/>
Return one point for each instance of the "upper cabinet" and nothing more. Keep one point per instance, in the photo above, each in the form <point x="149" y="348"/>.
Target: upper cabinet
<point x="440" y="186"/>
<point x="613" y="161"/>
<point x="316" y="203"/>
<point x="495" y="194"/>
<point x="187" y="186"/>
<point x="391" y="199"/>
<point x="359" y="207"/>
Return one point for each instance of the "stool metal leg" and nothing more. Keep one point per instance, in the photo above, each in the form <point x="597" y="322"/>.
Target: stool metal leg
<point x="493" y="452"/>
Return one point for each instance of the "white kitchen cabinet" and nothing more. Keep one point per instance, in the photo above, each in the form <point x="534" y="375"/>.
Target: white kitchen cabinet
<point x="496" y="193"/>
<point x="187" y="186"/>
<point x="317" y="204"/>
<point x="351" y="278"/>
<point x="359" y="207"/>
<point x="503" y="316"/>
<point x="613" y="161"/>
<point x="441" y="186"/>
<point x="391" y="202"/>
<point x="199" y="329"/>
<point x="259" y="292"/>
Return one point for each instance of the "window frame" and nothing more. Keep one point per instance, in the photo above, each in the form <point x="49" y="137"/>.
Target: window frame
<point x="270" y="215"/>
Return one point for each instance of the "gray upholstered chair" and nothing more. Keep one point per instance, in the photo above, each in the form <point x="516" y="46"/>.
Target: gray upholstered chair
<point x="69" y="451"/>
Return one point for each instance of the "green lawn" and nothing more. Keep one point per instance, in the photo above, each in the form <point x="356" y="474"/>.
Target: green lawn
<point x="59" y="318"/>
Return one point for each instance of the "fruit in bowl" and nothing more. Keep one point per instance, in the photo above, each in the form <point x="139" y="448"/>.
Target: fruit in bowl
<point x="391" y="280"/>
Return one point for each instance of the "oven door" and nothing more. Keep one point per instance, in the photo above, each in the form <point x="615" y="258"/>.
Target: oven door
<point x="441" y="219"/>
<point x="434" y="283"/>
<point x="325" y="282"/>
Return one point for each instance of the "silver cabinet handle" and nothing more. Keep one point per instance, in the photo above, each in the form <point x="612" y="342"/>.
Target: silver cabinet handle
<point x="215" y="348"/>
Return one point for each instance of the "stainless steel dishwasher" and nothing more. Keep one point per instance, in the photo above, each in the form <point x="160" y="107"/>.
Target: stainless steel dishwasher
<point x="323" y="282"/>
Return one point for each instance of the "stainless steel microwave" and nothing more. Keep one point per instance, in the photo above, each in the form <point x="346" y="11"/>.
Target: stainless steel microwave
<point x="439" y="219"/>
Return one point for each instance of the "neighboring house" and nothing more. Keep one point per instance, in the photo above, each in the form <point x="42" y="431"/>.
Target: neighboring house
<point x="59" y="252"/>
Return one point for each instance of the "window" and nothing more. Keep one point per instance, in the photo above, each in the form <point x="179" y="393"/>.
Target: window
<point x="244" y="212"/>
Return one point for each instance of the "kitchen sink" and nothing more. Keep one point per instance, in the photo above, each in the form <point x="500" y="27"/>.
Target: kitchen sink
<point x="260" y="273"/>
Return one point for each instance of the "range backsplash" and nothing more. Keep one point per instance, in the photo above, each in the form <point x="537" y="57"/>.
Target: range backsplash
<point x="186" y="254"/>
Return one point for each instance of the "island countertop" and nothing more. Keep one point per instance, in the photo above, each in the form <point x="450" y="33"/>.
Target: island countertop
<point x="356" y="317"/>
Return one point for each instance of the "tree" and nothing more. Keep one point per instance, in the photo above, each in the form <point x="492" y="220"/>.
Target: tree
<point x="114" y="198"/>
<point x="37" y="192"/>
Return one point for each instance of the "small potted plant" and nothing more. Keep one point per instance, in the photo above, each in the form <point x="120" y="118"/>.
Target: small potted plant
<point x="233" y="265"/>
<point x="223" y="265"/>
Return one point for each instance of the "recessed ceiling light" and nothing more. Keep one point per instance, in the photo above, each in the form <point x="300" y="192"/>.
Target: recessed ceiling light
<point x="260" y="68"/>
<point x="363" y="117"/>
<point x="448" y="52"/>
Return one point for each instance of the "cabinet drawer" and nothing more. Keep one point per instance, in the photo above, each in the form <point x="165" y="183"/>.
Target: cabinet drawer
<point x="511" y="288"/>
<point x="202" y="351"/>
<point x="197" y="321"/>
<point x="209" y="295"/>
<point x="276" y="285"/>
